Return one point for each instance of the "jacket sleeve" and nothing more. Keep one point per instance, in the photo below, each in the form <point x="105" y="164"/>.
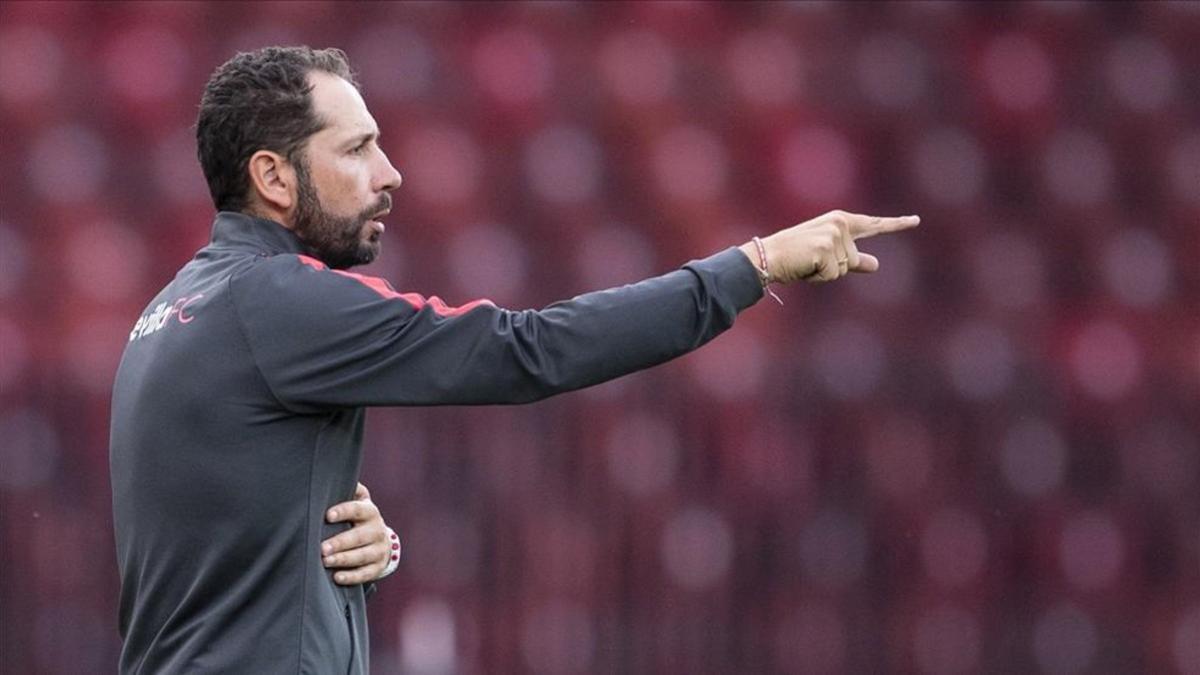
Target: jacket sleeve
<point x="325" y="338"/>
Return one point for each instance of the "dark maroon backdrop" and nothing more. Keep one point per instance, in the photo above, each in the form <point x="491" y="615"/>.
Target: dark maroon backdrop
<point x="984" y="457"/>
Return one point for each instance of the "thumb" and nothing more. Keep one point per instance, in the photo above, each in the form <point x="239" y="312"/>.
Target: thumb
<point x="866" y="263"/>
<point x="361" y="492"/>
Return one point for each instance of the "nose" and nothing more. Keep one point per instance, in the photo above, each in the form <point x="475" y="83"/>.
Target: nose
<point x="388" y="178"/>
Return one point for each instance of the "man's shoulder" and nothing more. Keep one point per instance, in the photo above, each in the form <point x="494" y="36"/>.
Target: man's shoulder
<point x="303" y="282"/>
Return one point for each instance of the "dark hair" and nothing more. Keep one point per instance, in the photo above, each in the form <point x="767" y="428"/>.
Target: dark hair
<point x="255" y="101"/>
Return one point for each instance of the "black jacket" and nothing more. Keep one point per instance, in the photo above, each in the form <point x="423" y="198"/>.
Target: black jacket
<point x="237" y="420"/>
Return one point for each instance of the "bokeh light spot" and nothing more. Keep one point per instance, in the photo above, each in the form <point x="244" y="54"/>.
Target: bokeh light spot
<point x="1091" y="551"/>
<point x="891" y="70"/>
<point x="819" y="165"/>
<point x="395" y="63"/>
<point x="1106" y="360"/>
<point x="1018" y="72"/>
<point x="31" y="64"/>
<point x="1033" y="457"/>
<point x="487" y="260"/>
<point x="765" y="67"/>
<point x="643" y="454"/>
<point x="1009" y="269"/>
<point x="105" y="261"/>
<point x="427" y="637"/>
<point x="1078" y="168"/>
<point x="443" y="165"/>
<point x="68" y="164"/>
<point x="1141" y="73"/>
<point x="849" y="358"/>
<point x="30" y="450"/>
<point x="614" y="254"/>
<point x="638" y="67"/>
<point x="563" y="164"/>
<point x="1137" y="267"/>
<point x="833" y="550"/>
<point x="949" y="167"/>
<point x="146" y="64"/>
<point x="697" y="548"/>
<point x="514" y="66"/>
<point x="690" y="164"/>
<point x="981" y="359"/>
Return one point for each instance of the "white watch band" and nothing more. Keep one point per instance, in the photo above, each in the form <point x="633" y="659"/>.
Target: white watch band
<point x="393" y="554"/>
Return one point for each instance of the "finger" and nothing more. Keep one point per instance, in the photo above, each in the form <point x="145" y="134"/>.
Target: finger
<point x="353" y="538"/>
<point x="814" y="270"/>
<point x="866" y="263"/>
<point x="862" y="226"/>
<point x="844" y="246"/>
<point x="852" y="254"/>
<point x="357" y="557"/>
<point x="361" y="492"/>
<point x="826" y="269"/>
<point x="840" y="255"/>
<point x="357" y="511"/>
<point x="358" y="576"/>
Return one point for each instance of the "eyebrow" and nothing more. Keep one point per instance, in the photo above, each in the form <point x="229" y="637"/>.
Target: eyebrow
<point x="362" y="138"/>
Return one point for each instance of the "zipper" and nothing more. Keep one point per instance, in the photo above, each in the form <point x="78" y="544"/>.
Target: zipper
<point x="350" y="627"/>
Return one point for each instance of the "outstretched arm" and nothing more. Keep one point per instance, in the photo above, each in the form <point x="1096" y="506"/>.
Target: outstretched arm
<point x="327" y="338"/>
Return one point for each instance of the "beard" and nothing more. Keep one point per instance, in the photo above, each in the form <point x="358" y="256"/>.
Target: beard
<point x="337" y="241"/>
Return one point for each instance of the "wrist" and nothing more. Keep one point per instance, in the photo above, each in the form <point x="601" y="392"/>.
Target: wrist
<point x="756" y="251"/>
<point x="393" y="554"/>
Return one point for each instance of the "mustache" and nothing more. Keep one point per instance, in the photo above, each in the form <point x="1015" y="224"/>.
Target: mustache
<point x="384" y="204"/>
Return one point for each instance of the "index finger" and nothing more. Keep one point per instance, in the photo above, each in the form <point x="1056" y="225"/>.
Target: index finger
<point x="862" y="226"/>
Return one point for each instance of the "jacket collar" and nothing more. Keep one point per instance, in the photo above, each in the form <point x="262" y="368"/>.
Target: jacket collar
<point x="247" y="233"/>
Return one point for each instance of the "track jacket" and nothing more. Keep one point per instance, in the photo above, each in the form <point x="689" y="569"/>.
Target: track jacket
<point x="237" y="420"/>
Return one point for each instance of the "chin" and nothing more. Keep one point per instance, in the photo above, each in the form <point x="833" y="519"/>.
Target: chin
<point x="369" y="252"/>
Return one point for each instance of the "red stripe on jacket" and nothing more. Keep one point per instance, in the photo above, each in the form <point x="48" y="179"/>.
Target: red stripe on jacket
<point x="384" y="289"/>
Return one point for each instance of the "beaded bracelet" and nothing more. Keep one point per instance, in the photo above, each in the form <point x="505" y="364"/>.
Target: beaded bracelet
<point x="764" y="274"/>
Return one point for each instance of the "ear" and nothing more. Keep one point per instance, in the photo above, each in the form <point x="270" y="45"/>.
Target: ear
<point x="273" y="179"/>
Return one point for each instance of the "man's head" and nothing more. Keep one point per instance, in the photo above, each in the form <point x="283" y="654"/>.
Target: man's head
<point x="283" y="133"/>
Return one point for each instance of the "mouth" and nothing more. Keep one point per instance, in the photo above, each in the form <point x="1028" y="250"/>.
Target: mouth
<point x="375" y="223"/>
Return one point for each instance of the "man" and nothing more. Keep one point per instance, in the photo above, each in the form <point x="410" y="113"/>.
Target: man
<point x="238" y="405"/>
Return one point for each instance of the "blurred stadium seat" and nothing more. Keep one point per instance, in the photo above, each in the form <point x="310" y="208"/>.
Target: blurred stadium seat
<point x="984" y="457"/>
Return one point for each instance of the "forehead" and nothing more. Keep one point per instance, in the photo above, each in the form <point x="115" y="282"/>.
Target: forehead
<point x="340" y="106"/>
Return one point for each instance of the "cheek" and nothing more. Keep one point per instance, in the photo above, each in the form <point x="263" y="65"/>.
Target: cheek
<point x="341" y="182"/>
<point x="355" y="186"/>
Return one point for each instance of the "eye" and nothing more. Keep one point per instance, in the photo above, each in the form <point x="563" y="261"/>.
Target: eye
<point x="359" y="149"/>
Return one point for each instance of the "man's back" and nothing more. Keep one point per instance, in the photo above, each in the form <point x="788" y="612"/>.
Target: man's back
<point x="219" y="490"/>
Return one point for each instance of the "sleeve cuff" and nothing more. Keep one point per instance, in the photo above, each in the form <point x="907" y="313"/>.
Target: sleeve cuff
<point x="735" y="276"/>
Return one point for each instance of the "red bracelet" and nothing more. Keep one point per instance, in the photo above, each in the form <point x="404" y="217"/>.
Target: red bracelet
<point x="764" y="274"/>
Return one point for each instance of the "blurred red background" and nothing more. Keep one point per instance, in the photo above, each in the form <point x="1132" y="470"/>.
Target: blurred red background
<point x="984" y="457"/>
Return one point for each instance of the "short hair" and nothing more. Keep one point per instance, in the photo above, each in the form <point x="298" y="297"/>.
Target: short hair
<point x="259" y="100"/>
